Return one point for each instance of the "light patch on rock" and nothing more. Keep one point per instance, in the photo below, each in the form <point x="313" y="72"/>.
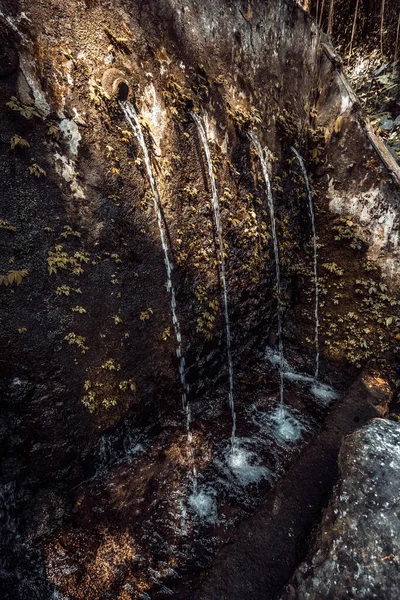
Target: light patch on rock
<point x="11" y="23"/>
<point x="269" y="159"/>
<point x="346" y="102"/>
<point x="78" y="118"/>
<point x="66" y="169"/>
<point x="23" y="15"/>
<point x="24" y="91"/>
<point x="378" y="220"/>
<point x="27" y="67"/>
<point x="58" y="596"/>
<point x="315" y="41"/>
<point x="63" y="79"/>
<point x="394" y="239"/>
<point x="71" y="134"/>
<point x="154" y="114"/>
<point x="224" y="145"/>
<point x="210" y="127"/>
<point x="236" y="97"/>
<point x="360" y="66"/>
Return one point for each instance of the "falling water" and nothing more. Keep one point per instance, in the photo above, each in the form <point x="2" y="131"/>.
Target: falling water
<point x="257" y="146"/>
<point x="218" y="226"/>
<point x="311" y="207"/>
<point x="133" y="120"/>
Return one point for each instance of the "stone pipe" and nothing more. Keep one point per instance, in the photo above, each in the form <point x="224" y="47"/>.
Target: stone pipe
<point x="115" y="84"/>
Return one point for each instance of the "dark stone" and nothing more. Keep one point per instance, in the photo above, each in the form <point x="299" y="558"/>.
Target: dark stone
<point x="357" y="550"/>
<point x="8" y="61"/>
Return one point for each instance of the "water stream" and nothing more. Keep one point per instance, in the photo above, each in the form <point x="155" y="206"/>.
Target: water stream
<point x="257" y="146"/>
<point x="311" y="207"/>
<point x="218" y="226"/>
<point x="133" y="120"/>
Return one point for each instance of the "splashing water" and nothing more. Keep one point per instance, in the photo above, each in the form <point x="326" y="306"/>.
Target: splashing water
<point x="324" y="393"/>
<point x="245" y="466"/>
<point x="286" y="428"/>
<point x="204" y="505"/>
<point x="321" y="391"/>
<point x="133" y="120"/>
<point x="311" y="207"/>
<point x="218" y="226"/>
<point x="275" y="358"/>
<point x="299" y="377"/>
<point x="257" y="146"/>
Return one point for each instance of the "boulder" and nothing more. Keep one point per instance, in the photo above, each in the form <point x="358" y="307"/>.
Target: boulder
<point x="357" y="549"/>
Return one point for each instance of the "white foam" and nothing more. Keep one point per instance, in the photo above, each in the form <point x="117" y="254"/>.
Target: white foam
<point x="324" y="392"/>
<point x="293" y="376"/>
<point x="321" y="391"/>
<point x="285" y="426"/>
<point x="243" y="465"/>
<point x="204" y="505"/>
<point x="137" y="449"/>
<point x="274" y="357"/>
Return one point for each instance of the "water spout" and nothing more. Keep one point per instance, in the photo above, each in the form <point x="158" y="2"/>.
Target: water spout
<point x="254" y="139"/>
<point x="133" y="120"/>
<point x="311" y="207"/>
<point x="218" y="227"/>
<point x="115" y="84"/>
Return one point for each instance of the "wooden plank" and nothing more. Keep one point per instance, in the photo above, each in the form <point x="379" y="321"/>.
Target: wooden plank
<point x="386" y="157"/>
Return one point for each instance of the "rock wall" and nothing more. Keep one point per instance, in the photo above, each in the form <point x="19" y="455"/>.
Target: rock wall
<point x="76" y="184"/>
<point x="89" y="354"/>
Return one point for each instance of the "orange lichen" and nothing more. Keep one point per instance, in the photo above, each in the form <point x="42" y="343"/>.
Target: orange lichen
<point x="373" y="382"/>
<point x="88" y="578"/>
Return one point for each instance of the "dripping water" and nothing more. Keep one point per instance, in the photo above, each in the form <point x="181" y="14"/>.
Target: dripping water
<point x="257" y="146"/>
<point x="311" y="207"/>
<point x="133" y="120"/>
<point x="218" y="226"/>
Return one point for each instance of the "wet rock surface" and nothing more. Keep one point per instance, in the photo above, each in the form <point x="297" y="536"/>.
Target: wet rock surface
<point x="96" y="488"/>
<point x="266" y="548"/>
<point x="356" y="552"/>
